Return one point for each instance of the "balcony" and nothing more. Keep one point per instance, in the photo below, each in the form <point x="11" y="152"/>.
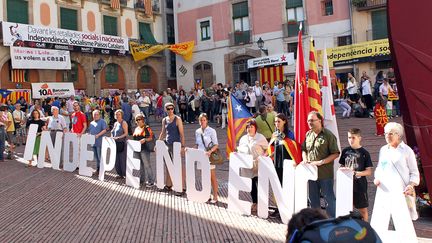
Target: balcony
<point x="291" y="28"/>
<point x="240" y="38"/>
<point x="364" y="5"/>
<point x="156" y="6"/>
<point x="123" y="3"/>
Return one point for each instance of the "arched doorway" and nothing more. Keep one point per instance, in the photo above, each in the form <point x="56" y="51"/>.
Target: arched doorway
<point x="17" y="78"/>
<point x="75" y="75"/>
<point x="112" y="77"/>
<point x="204" y="72"/>
<point x="241" y="71"/>
<point x="147" y="78"/>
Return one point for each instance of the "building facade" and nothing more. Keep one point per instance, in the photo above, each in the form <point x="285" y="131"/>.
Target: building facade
<point x="94" y="70"/>
<point x="226" y="34"/>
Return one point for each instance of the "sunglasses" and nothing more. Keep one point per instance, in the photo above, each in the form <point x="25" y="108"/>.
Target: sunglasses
<point x="170" y="109"/>
<point x="138" y="120"/>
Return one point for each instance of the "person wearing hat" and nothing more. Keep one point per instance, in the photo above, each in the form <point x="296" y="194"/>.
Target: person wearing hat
<point x="172" y="131"/>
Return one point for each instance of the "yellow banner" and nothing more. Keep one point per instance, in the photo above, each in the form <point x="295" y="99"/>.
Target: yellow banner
<point x="142" y="51"/>
<point x="356" y="53"/>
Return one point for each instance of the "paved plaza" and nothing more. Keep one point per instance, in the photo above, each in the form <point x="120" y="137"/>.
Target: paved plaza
<point x="45" y="205"/>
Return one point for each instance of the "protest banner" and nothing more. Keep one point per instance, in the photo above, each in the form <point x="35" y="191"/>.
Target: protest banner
<point x="44" y="90"/>
<point x="33" y="58"/>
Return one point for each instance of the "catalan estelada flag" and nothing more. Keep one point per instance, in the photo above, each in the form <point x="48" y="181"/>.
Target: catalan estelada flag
<point x="115" y="4"/>
<point x="313" y="83"/>
<point x="238" y="115"/>
<point x="301" y="97"/>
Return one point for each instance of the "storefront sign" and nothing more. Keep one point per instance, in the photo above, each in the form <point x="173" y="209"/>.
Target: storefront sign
<point x="284" y="58"/>
<point x="43" y="90"/>
<point x="23" y="35"/>
<point x="369" y="51"/>
<point x="33" y="58"/>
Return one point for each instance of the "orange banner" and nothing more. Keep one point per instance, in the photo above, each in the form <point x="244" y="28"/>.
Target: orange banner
<point x="142" y="51"/>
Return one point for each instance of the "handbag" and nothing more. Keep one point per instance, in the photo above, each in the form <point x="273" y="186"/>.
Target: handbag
<point x="216" y="156"/>
<point x="150" y="145"/>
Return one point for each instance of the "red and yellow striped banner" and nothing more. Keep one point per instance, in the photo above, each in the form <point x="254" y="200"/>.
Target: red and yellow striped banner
<point x="148" y="10"/>
<point x="16" y="95"/>
<point x="115" y="4"/>
<point x="17" y="75"/>
<point x="271" y="74"/>
<point x="314" y="89"/>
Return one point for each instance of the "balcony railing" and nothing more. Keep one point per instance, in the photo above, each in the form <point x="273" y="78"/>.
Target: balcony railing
<point x="240" y="37"/>
<point x="363" y="5"/>
<point x="140" y="6"/>
<point x="123" y="3"/>
<point x="291" y="28"/>
<point x="156" y="6"/>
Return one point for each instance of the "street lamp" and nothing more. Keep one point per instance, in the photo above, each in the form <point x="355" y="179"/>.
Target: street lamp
<point x="96" y="67"/>
<point x="260" y="43"/>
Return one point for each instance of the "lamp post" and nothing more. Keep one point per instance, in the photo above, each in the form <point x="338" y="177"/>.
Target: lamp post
<point x="96" y="67"/>
<point x="260" y="44"/>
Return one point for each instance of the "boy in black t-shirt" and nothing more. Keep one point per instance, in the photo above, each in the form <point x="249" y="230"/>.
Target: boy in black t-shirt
<point x="356" y="158"/>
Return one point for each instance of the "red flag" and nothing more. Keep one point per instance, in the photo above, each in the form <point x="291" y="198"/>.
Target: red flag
<point x="301" y="97"/>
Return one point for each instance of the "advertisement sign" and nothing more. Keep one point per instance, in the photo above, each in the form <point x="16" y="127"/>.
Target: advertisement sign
<point x="44" y="90"/>
<point x="33" y="58"/>
<point x="24" y="35"/>
<point x="284" y="58"/>
<point x="368" y="51"/>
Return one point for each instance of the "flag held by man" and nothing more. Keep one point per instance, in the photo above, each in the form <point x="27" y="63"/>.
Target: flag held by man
<point x="238" y="115"/>
<point x="313" y="83"/>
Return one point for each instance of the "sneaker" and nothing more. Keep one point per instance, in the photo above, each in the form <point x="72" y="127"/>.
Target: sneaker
<point x="166" y="189"/>
<point x="274" y="215"/>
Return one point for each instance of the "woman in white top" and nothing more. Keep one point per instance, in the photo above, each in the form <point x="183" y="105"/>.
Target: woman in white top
<point x="397" y="166"/>
<point x="206" y="140"/>
<point x="250" y="95"/>
<point x="255" y="144"/>
<point x="64" y="112"/>
<point x="352" y="88"/>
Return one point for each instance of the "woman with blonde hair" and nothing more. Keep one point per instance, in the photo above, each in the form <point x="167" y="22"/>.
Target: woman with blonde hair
<point x="119" y="134"/>
<point x="144" y="134"/>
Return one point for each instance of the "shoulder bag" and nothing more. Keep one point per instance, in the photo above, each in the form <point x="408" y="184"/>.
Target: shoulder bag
<point x="216" y="156"/>
<point x="150" y="145"/>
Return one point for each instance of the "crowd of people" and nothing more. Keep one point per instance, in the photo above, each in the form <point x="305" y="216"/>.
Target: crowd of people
<point x="129" y="116"/>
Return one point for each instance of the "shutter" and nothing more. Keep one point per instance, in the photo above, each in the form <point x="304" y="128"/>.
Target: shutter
<point x="294" y="3"/>
<point x="17" y="11"/>
<point x="68" y="19"/>
<point x="379" y="24"/>
<point x="240" y="10"/>
<point x="145" y="75"/>
<point x="110" y="25"/>
<point x="111" y="73"/>
<point x="146" y="35"/>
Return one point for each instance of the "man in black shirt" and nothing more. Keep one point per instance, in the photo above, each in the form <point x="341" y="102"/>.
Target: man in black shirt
<point x="356" y="158"/>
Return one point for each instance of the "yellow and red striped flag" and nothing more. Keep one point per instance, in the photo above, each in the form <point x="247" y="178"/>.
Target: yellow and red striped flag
<point x="115" y="4"/>
<point x="238" y="115"/>
<point x="17" y="75"/>
<point x="313" y="83"/>
<point x="148" y="8"/>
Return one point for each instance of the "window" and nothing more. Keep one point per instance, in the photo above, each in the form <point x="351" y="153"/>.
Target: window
<point x="295" y="15"/>
<point x="241" y="16"/>
<point x="68" y="19"/>
<point x="379" y="24"/>
<point x="205" y="30"/>
<point x="169" y="4"/>
<point x="292" y="47"/>
<point x="111" y="73"/>
<point x="110" y="25"/>
<point x="146" y="35"/>
<point x="17" y="11"/>
<point x="383" y="64"/>
<point x="327" y="7"/>
<point x="170" y="28"/>
<point x="145" y="76"/>
<point x="344" y="40"/>
<point x="173" y="72"/>
<point x="71" y="75"/>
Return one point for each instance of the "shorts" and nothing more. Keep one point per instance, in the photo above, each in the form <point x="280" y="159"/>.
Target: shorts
<point x="360" y="200"/>
<point x="21" y="131"/>
<point x="9" y="137"/>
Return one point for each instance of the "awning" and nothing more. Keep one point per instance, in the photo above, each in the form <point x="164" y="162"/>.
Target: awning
<point x="146" y="35"/>
<point x="271" y="74"/>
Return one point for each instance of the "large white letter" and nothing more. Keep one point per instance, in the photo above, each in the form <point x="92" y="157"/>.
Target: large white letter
<point x="173" y="165"/>
<point x="304" y="173"/>
<point x="344" y="191"/>
<point x="238" y="183"/>
<point x="54" y="152"/>
<point x="390" y="202"/>
<point x="30" y="143"/>
<point x="132" y="163"/>
<point x="70" y="138"/>
<point x="107" y="143"/>
<point x="192" y="156"/>
<point x="284" y="196"/>
<point x="85" y="155"/>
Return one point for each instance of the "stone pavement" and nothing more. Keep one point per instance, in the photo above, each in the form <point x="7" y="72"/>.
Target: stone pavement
<point x="44" y="205"/>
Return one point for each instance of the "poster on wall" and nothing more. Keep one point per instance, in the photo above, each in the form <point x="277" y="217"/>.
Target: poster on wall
<point x="33" y="58"/>
<point x="23" y="35"/>
<point x="60" y="89"/>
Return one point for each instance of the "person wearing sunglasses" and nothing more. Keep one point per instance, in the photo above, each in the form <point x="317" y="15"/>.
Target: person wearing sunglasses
<point x="172" y="131"/>
<point x="144" y="134"/>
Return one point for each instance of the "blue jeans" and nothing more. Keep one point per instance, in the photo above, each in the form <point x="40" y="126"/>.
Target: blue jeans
<point x="325" y="187"/>
<point x="97" y="155"/>
<point x="146" y="172"/>
<point x="2" y="141"/>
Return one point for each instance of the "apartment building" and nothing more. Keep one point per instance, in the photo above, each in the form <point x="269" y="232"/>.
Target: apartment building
<point x="96" y="32"/>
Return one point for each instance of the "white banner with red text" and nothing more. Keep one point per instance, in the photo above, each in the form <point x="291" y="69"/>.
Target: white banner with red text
<point x="33" y="58"/>
<point x="60" y="89"/>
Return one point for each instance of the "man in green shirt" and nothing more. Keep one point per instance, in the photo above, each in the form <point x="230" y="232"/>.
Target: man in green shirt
<point x="265" y="122"/>
<point x="320" y="148"/>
